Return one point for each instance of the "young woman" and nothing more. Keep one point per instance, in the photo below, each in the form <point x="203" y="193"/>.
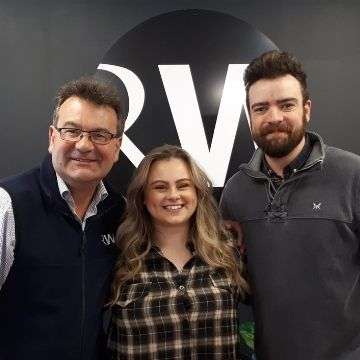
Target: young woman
<point x="178" y="279"/>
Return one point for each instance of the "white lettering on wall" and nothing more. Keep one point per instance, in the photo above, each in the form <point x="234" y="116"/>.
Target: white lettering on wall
<point x="181" y="94"/>
<point x="136" y="94"/>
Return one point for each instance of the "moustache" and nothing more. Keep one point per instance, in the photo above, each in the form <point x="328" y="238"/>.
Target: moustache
<point x="275" y="127"/>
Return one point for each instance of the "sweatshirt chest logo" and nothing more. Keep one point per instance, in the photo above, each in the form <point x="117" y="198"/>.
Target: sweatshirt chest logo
<point x="108" y="239"/>
<point x="316" y="206"/>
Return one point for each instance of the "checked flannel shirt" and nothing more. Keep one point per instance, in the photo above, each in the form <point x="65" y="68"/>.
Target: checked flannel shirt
<point x="167" y="314"/>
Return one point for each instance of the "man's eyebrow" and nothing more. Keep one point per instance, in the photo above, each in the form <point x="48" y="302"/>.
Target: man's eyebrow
<point x="70" y="123"/>
<point x="75" y="125"/>
<point x="259" y="104"/>
<point x="286" y="100"/>
<point x="281" y="101"/>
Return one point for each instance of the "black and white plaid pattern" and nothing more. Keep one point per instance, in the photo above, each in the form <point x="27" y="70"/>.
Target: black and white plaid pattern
<point x="167" y="314"/>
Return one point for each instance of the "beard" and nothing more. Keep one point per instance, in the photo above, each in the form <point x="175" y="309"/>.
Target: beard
<point x="279" y="146"/>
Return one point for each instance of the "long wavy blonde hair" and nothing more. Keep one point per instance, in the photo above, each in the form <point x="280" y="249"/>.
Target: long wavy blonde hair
<point x="211" y="241"/>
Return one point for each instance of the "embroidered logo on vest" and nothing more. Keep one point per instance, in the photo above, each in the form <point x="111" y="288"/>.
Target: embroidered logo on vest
<point x="107" y="239"/>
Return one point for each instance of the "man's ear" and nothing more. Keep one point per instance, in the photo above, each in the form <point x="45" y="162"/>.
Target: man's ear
<point x="51" y="138"/>
<point x="117" y="149"/>
<point x="307" y="110"/>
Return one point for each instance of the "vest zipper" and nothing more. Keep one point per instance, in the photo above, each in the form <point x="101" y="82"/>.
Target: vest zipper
<point x="83" y="297"/>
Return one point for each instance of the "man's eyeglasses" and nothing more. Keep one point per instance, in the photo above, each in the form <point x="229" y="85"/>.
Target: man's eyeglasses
<point x="100" y="137"/>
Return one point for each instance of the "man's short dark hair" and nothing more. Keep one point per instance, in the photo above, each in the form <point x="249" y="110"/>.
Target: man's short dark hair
<point x="94" y="90"/>
<point x="271" y="65"/>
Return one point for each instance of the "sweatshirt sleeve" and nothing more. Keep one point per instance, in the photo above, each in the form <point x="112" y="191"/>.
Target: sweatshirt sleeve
<point x="225" y="209"/>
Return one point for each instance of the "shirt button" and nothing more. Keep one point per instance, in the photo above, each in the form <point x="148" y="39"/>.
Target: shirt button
<point x="182" y="288"/>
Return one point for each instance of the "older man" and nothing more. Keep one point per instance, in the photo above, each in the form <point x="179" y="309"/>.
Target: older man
<point x="57" y="225"/>
<point x="297" y="201"/>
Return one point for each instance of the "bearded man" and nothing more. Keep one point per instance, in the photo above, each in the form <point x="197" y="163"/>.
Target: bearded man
<point x="297" y="202"/>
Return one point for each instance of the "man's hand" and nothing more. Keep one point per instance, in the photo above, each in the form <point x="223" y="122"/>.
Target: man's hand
<point x="235" y="228"/>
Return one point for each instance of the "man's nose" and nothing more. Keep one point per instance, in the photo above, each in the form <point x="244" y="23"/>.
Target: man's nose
<point x="275" y="115"/>
<point x="84" y="144"/>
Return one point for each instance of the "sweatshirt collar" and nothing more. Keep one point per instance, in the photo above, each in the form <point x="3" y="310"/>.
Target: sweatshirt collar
<point x="317" y="154"/>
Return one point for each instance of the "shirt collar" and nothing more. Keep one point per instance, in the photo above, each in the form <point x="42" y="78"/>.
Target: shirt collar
<point x="100" y="193"/>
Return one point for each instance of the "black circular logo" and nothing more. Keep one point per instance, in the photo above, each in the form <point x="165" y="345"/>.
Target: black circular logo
<point x="180" y="75"/>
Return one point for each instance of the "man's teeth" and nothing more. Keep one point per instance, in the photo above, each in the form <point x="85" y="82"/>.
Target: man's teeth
<point x="173" y="207"/>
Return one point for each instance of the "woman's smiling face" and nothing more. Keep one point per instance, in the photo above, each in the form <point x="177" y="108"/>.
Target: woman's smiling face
<point x="170" y="195"/>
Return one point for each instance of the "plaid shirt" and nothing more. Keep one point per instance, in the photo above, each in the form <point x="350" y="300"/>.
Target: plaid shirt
<point x="167" y="314"/>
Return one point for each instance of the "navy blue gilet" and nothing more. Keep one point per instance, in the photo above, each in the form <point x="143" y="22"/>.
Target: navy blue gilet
<point x="52" y="301"/>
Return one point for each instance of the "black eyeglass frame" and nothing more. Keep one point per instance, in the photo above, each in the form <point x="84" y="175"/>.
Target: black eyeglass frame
<point x="112" y="136"/>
